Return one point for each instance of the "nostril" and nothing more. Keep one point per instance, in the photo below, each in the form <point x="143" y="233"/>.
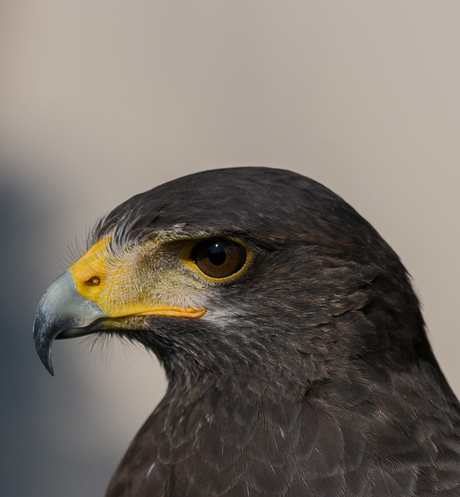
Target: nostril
<point x="94" y="281"/>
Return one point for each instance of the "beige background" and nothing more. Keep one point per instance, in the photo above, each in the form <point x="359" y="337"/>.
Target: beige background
<point x="100" y="100"/>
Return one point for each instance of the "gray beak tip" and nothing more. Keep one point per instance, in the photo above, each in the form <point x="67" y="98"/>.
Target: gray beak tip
<point x="49" y="367"/>
<point x="46" y="360"/>
<point x="43" y="349"/>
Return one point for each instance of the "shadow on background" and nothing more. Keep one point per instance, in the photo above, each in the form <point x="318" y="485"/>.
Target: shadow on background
<point x="37" y="456"/>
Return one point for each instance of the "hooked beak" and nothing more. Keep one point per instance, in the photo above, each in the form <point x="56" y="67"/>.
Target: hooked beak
<point x="63" y="313"/>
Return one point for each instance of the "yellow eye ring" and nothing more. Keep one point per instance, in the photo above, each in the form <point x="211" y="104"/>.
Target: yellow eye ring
<point x="219" y="259"/>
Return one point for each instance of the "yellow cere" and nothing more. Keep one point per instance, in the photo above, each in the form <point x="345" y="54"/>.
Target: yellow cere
<point x="140" y="282"/>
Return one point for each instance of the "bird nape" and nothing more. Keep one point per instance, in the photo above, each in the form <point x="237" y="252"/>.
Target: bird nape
<point x="293" y="343"/>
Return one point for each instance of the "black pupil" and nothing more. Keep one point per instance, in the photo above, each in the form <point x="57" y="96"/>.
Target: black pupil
<point x="217" y="254"/>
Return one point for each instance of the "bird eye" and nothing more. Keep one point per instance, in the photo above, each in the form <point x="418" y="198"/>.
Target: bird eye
<point x="218" y="257"/>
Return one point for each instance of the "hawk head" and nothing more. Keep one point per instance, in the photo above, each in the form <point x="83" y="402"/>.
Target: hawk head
<point x="238" y="273"/>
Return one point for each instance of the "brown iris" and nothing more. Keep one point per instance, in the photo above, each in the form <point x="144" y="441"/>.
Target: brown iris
<point x="218" y="257"/>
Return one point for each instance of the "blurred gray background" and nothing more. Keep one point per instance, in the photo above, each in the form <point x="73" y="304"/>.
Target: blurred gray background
<point x="100" y="100"/>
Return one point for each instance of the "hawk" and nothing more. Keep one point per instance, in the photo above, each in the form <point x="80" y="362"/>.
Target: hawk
<point x="294" y="346"/>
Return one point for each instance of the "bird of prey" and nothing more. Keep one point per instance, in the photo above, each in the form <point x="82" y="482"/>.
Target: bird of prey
<point x="293" y="343"/>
